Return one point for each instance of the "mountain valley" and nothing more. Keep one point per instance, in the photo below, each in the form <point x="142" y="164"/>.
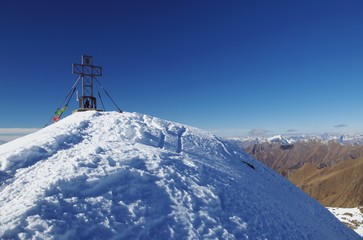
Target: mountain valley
<point x="328" y="168"/>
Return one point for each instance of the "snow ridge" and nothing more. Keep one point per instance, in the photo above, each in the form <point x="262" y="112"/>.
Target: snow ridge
<point x="130" y="176"/>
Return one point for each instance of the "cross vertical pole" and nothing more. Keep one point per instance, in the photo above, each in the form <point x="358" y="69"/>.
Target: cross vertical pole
<point x="88" y="72"/>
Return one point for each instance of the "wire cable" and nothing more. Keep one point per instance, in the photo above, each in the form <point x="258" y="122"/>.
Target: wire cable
<point x="103" y="106"/>
<point x="108" y="95"/>
<point x="73" y="89"/>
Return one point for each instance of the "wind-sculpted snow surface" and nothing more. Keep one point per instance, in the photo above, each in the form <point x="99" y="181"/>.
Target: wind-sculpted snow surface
<point x="130" y="176"/>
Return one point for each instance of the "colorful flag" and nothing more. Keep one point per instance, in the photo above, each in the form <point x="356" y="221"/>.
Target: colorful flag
<point x="58" y="112"/>
<point x="56" y="118"/>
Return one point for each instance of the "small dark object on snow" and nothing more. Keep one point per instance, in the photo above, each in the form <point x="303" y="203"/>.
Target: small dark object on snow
<point x="248" y="164"/>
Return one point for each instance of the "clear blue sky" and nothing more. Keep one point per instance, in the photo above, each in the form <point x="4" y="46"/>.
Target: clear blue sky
<point x="230" y="67"/>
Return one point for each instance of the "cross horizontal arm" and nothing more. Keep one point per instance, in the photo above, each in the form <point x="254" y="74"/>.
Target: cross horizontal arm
<point x="86" y="70"/>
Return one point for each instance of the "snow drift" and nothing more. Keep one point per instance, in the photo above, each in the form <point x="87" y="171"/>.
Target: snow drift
<point x="130" y="176"/>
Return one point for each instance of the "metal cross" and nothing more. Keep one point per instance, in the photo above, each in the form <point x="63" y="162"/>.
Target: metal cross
<point x="88" y="72"/>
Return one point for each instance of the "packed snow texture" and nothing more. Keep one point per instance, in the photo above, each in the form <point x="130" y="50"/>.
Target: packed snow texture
<point x="108" y="175"/>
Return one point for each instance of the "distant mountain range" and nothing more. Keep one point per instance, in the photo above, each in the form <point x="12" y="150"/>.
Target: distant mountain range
<point x="344" y="139"/>
<point x="328" y="167"/>
<point x="284" y="157"/>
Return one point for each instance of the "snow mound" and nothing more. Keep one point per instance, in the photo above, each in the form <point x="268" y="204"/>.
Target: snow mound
<point x="130" y="176"/>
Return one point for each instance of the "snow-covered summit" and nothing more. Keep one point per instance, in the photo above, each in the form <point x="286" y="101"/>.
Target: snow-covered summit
<point x="130" y="176"/>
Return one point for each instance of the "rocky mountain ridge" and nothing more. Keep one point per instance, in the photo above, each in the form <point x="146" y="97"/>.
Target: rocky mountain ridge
<point x="341" y="138"/>
<point x="328" y="168"/>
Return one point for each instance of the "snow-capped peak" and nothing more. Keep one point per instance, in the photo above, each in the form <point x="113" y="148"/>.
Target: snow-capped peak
<point x="344" y="139"/>
<point x="278" y="139"/>
<point x="108" y="175"/>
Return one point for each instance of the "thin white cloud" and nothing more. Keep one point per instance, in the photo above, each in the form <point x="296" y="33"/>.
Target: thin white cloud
<point x="340" y="125"/>
<point x="258" y="132"/>
<point x="9" y="134"/>
<point x="17" y="131"/>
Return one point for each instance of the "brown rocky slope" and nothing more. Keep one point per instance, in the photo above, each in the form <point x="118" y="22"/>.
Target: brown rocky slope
<point x="340" y="185"/>
<point x="330" y="172"/>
